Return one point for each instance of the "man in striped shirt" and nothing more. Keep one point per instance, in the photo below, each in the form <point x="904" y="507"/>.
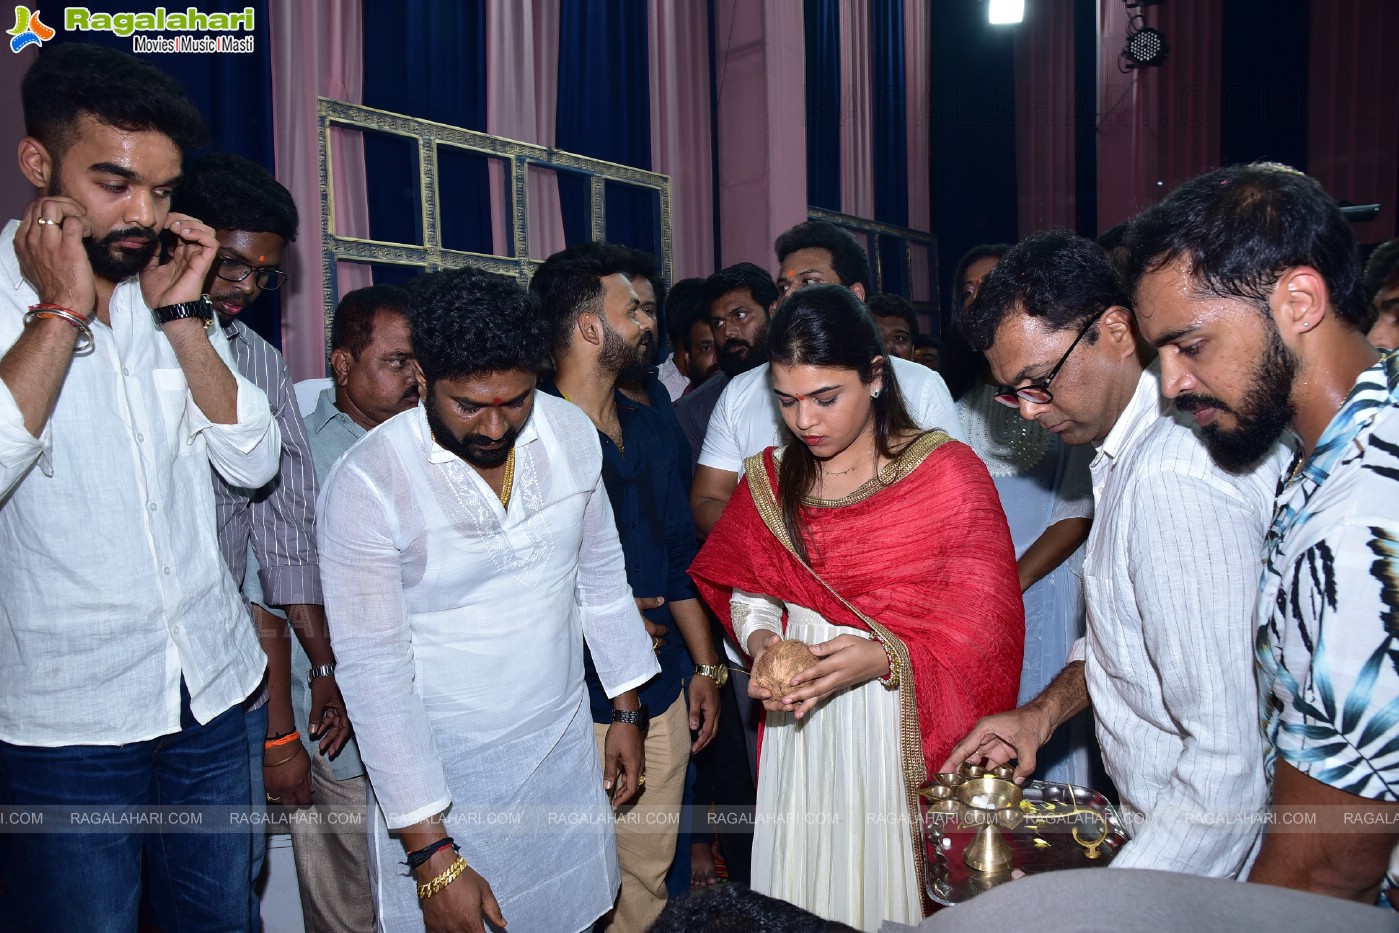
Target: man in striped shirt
<point x="1169" y="572"/>
<point x="254" y="218"/>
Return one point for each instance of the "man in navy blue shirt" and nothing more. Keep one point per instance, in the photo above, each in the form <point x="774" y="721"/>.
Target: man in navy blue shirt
<point x="601" y="337"/>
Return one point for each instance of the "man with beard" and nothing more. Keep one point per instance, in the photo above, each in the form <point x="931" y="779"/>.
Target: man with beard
<point x="1168" y="572"/>
<point x="746" y="420"/>
<point x="254" y="218"/>
<point x="375" y="377"/>
<point x="468" y="551"/>
<point x="126" y="652"/>
<point x="1248" y="280"/>
<point x="736" y="302"/>
<point x="601" y="336"/>
<point x="898" y="324"/>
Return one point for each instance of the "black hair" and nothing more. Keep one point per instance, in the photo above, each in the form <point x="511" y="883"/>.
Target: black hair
<point x="352" y="327"/>
<point x="1382" y="270"/>
<point x="569" y="283"/>
<point x="75" y="78"/>
<point x="1062" y="279"/>
<point x="733" y="908"/>
<point x="468" y="321"/>
<point x="981" y="251"/>
<point x="826" y="325"/>
<point x="848" y="257"/>
<point x="228" y="192"/>
<point x="927" y="340"/>
<point x="1240" y="227"/>
<point x="740" y="275"/>
<point x="684" y="305"/>
<point x="646" y="266"/>
<point x="895" y="306"/>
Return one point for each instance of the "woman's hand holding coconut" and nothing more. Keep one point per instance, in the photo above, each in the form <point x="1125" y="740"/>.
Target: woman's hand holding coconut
<point x="793" y="676"/>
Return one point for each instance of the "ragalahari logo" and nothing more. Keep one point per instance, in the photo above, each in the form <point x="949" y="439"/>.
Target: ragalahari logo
<point x="28" y="30"/>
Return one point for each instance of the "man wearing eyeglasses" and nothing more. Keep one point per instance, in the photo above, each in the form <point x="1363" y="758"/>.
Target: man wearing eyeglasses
<point x="1170" y="573"/>
<point x="254" y="218"/>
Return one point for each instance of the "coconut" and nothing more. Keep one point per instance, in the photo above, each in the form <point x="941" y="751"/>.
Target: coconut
<point x="780" y="663"/>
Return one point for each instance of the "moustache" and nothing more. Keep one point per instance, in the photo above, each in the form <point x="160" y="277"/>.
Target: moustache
<point x="734" y="344"/>
<point x="130" y="233"/>
<point x="1193" y="403"/>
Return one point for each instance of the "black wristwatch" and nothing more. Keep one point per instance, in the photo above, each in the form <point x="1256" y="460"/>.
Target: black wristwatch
<point x="641" y="718"/>
<point x="201" y="308"/>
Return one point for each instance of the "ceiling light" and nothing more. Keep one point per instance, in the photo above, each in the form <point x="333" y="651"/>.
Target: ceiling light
<point x="1005" y="12"/>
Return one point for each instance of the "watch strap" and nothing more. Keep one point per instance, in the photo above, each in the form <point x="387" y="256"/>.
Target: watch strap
<point x="201" y="308"/>
<point x="320" y="670"/>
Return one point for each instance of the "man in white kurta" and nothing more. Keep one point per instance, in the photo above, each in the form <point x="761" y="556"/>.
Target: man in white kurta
<point x="458" y="624"/>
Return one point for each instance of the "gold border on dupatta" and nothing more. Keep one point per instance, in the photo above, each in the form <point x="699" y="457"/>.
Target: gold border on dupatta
<point x="915" y="771"/>
<point x="905" y="463"/>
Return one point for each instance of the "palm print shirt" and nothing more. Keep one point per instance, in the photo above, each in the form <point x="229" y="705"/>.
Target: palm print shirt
<point x="1328" y="610"/>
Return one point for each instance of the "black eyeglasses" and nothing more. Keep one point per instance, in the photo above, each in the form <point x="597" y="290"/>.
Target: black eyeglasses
<point x="268" y="278"/>
<point x="1038" y="393"/>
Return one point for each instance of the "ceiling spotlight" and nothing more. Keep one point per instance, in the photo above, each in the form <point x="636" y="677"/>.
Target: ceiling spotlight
<point x="1145" y="47"/>
<point x="1005" y="12"/>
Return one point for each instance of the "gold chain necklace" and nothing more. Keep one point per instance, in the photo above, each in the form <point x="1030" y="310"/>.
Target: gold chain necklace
<point x="826" y="472"/>
<point x="509" y="482"/>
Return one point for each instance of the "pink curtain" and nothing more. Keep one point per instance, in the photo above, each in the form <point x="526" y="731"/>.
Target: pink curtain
<point x="680" y="140"/>
<point x="919" y="97"/>
<point x="761" y="61"/>
<point x="1044" y="128"/>
<point x="1353" y="113"/>
<point x="522" y="89"/>
<point x="857" y="110"/>
<point x="1158" y="126"/>
<point x="316" y="50"/>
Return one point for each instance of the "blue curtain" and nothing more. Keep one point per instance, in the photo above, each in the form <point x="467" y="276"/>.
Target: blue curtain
<point x="232" y="91"/>
<point x="604" y="111"/>
<point x="431" y="65"/>
<point x="890" y="141"/>
<point x="822" y="21"/>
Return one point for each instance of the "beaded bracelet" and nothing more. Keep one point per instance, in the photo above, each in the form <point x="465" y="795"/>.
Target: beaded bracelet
<point x="418" y="856"/>
<point x="79" y="323"/>
<point x="427" y="890"/>
<point x="890" y="680"/>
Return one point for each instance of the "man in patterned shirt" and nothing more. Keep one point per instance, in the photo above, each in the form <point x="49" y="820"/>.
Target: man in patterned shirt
<point x="1247" y="279"/>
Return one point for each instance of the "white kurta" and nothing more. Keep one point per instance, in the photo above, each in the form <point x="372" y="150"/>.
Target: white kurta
<point x="832" y="822"/>
<point x="458" y="627"/>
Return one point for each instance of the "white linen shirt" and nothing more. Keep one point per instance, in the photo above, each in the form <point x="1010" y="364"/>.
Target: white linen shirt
<point x="746" y="419"/>
<point x="459" y="623"/>
<point x="1170" y="579"/>
<point x="114" y="588"/>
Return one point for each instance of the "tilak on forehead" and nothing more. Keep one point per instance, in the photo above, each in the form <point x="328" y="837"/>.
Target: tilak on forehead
<point x="497" y="401"/>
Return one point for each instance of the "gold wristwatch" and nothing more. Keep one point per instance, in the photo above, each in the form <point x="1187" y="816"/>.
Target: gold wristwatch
<point x="719" y="672"/>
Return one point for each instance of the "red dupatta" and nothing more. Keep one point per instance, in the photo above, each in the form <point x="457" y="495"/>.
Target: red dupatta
<point x="922" y="557"/>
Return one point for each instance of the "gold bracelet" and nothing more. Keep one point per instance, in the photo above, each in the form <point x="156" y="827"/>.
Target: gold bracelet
<point x="890" y="680"/>
<point x="427" y="890"/>
<point x="273" y="764"/>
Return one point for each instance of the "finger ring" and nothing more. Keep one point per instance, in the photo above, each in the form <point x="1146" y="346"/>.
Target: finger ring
<point x="45" y="220"/>
<point x="641" y="780"/>
<point x="271" y="799"/>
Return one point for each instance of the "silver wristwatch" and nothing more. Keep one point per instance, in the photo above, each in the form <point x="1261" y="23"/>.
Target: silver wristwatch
<point x="320" y="670"/>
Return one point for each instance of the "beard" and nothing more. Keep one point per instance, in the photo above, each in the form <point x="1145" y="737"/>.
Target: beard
<point x="1263" y="416"/>
<point x="738" y="356"/>
<point x="109" y="261"/>
<point x="628" y="364"/>
<point x="118" y="263"/>
<point x="473" y="448"/>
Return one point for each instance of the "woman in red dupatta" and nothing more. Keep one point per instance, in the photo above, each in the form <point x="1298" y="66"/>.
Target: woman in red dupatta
<point x="888" y="553"/>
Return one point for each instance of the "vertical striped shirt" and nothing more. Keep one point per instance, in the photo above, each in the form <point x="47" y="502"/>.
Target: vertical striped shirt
<point x="279" y="518"/>
<point x="1170" y="581"/>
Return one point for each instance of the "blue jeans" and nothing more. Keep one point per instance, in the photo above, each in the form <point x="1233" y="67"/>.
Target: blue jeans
<point x="194" y="881"/>
<point x="256" y="722"/>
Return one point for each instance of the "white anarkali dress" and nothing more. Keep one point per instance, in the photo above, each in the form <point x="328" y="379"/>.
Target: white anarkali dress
<point x="833" y="831"/>
<point x="458" y="627"/>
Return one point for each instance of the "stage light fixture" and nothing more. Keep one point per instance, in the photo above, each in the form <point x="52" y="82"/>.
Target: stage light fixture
<point x="1005" y="12"/>
<point x="1145" y="47"/>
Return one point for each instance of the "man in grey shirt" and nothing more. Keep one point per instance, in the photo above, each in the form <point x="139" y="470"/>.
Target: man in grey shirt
<point x="375" y="377"/>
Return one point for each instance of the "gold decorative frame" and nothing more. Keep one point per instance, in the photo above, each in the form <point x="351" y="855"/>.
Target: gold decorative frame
<point x="431" y="255"/>
<point x="871" y="231"/>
